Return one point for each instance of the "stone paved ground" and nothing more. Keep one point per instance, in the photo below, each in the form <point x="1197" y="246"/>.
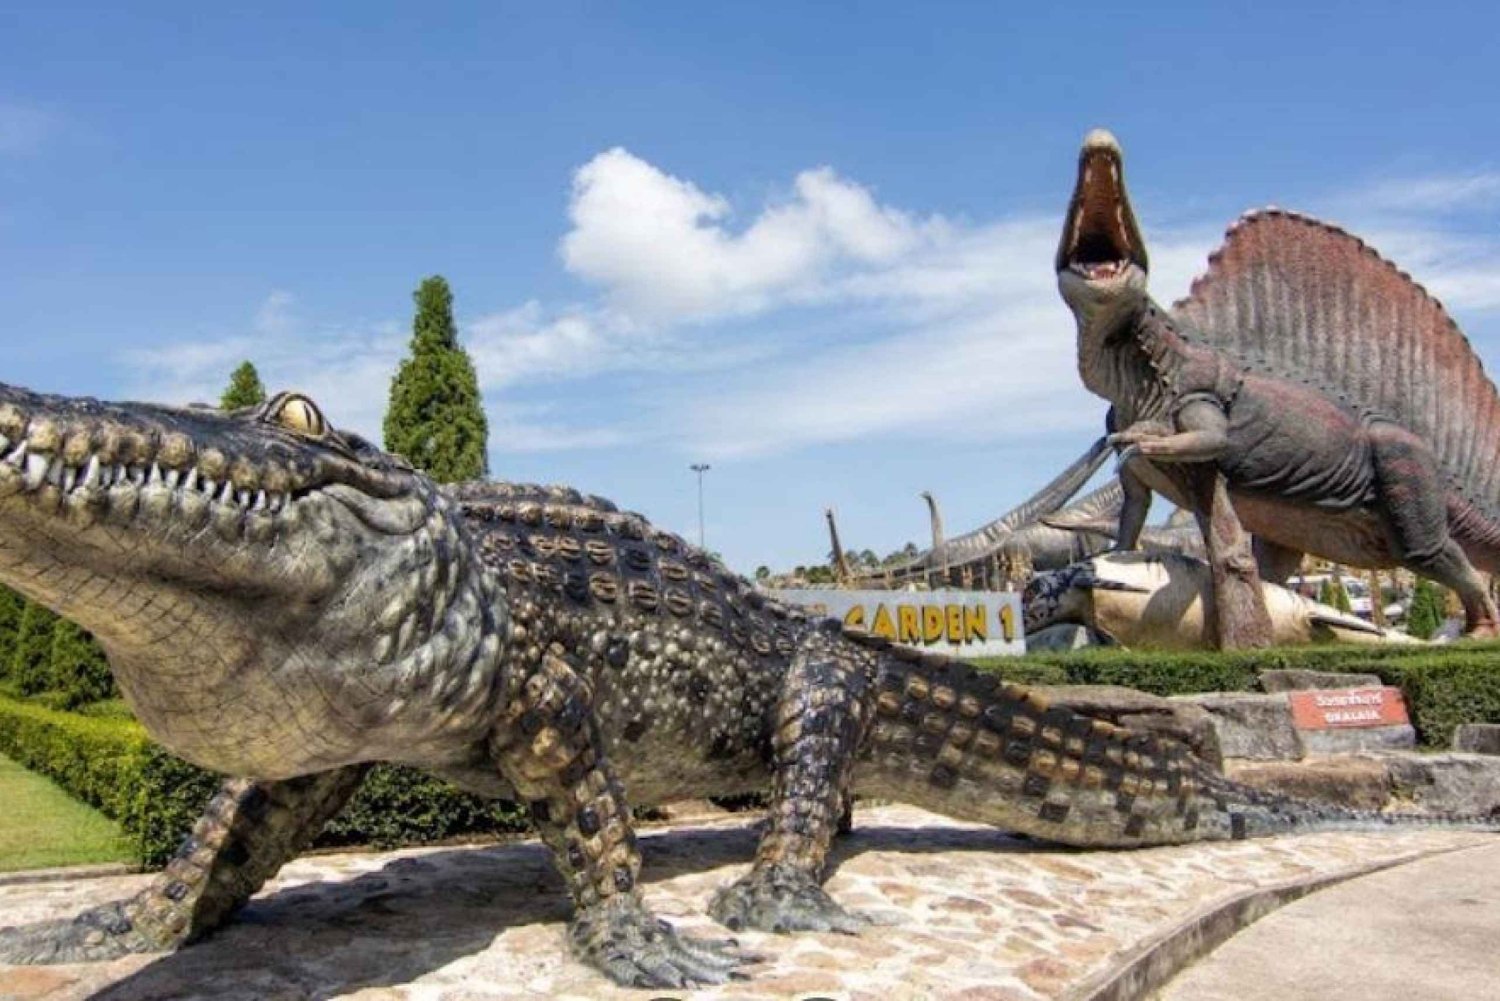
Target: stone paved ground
<point x="967" y="913"/>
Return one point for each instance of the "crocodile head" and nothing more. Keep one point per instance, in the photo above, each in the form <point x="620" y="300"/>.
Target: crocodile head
<point x="1101" y="258"/>
<point x="244" y="571"/>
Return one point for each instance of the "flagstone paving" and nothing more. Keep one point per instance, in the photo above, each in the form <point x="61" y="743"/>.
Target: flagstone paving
<point x="964" y="913"/>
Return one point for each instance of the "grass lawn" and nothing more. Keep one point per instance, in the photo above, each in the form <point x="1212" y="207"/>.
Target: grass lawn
<point x="41" y="826"/>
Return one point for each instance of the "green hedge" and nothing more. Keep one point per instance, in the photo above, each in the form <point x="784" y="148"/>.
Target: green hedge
<point x="1443" y="685"/>
<point x="109" y="763"/>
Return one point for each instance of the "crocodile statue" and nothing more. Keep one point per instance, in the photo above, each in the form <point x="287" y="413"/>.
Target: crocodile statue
<point x="284" y="603"/>
<point x="1333" y="398"/>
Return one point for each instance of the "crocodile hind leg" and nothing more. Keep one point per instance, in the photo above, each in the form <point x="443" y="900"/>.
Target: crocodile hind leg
<point x="248" y="831"/>
<point x="820" y="720"/>
<point x="1415" y="506"/>
<point x="549" y="750"/>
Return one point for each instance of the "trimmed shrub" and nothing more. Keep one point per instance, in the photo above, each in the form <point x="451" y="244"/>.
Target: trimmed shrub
<point x="110" y="763"/>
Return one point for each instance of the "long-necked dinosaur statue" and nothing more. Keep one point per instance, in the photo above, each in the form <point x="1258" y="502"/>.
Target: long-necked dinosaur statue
<point x="1039" y="534"/>
<point x="284" y="603"/>
<point x="1334" y="398"/>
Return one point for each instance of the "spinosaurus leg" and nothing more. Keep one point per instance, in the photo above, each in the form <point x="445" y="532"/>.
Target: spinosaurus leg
<point x="821" y="718"/>
<point x="1415" y="505"/>
<point x="249" y="830"/>
<point x="551" y="752"/>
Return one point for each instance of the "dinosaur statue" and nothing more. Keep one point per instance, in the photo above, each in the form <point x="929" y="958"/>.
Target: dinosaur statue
<point x="284" y="603"/>
<point x="841" y="567"/>
<point x="1049" y="542"/>
<point x="936" y="518"/>
<point x="977" y="551"/>
<point x="1332" y="398"/>
<point x="1179" y="534"/>
<point x="1157" y="601"/>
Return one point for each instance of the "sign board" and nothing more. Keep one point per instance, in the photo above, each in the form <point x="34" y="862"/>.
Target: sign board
<point x="958" y="623"/>
<point x="1343" y="708"/>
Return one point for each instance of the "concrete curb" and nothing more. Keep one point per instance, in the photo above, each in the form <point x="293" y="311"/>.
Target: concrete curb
<point x="1150" y="965"/>
<point x="68" y="872"/>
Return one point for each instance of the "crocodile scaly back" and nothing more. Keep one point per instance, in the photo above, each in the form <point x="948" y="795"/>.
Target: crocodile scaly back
<point x="1308" y="301"/>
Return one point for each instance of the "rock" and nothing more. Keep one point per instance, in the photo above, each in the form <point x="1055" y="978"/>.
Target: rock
<point x="1139" y="710"/>
<point x="1355" y="782"/>
<point x="1392" y="781"/>
<point x="1445" y="783"/>
<point x="1063" y="636"/>
<point x="1258" y="727"/>
<point x="1297" y="679"/>
<point x="1351" y="740"/>
<point x="1477" y="738"/>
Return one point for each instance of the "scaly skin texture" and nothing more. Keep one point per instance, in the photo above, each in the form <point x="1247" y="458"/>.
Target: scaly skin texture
<point x="285" y="603"/>
<point x="1305" y="467"/>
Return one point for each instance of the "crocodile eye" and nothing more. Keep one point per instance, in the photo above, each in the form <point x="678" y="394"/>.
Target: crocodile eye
<point x="298" y="413"/>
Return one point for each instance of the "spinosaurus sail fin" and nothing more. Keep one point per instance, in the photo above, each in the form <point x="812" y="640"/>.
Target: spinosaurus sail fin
<point x="1309" y="300"/>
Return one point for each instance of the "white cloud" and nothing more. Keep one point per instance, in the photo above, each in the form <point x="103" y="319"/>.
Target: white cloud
<point x="1439" y="193"/>
<point x="25" y="128"/>
<point x="660" y="247"/>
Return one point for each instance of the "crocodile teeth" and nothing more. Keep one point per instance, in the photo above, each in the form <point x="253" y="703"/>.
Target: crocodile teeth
<point x="55" y="472"/>
<point x="190" y="481"/>
<point x="226" y="496"/>
<point x="17" y="458"/>
<point x="171" y="478"/>
<point x="90" y="473"/>
<point x="243" y="499"/>
<point x="154" y="475"/>
<point x="69" y="478"/>
<point x="260" y="501"/>
<point x="36" y="470"/>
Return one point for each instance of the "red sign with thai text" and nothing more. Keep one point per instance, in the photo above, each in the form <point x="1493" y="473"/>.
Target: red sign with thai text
<point x="1337" y="708"/>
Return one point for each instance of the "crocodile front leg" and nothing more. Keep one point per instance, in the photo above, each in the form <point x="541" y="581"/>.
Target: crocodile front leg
<point x="249" y="831"/>
<point x="551" y="752"/>
<point x="820" y="721"/>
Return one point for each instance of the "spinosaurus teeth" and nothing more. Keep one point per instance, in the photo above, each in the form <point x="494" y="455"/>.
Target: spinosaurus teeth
<point x="190" y="481"/>
<point x="91" y="471"/>
<point x="17" y="458"/>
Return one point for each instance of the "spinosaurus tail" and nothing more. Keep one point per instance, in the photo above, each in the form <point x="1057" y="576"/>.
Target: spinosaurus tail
<point x="948" y="737"/>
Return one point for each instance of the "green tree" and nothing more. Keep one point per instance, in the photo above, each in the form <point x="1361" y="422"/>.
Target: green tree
<point x="80" y="671"/>
<point x="31" y="659"/>
<point x="1333" y="593"/>
<point x="245" y="389"/>
<point x="12" y="605"/>
<point x="1425" y="614"/>
<point x="436" y="419"/>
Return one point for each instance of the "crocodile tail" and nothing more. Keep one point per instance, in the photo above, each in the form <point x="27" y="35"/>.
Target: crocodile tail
<point x="950" y="738"/>
<point x="963" y="742"/>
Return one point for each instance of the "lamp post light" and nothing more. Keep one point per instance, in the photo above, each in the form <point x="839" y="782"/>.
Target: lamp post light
<point x="700" y="468"/>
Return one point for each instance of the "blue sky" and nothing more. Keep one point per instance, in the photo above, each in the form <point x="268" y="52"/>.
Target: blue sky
<point x="809" y="244"/>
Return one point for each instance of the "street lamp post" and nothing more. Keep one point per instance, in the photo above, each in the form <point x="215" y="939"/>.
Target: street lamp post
<point x="700" y="468"/>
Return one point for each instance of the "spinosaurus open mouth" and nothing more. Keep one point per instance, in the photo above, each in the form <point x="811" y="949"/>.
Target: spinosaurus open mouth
<point x="1100" y="238"/>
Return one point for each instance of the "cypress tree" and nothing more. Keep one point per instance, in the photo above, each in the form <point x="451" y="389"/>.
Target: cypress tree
<point x="245" y="389"/>
<point x="436" y="419"/>
<point x="1333" y="594"/>
<point x="80" y="670"/>
<point x="11" y="607"/>
<point x="31" y="660"/>
<point x="1425" y="615"/>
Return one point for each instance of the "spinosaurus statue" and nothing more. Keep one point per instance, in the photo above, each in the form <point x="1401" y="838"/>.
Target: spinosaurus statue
<point x="284" y="603"/>
<point x="1336" y="401"/>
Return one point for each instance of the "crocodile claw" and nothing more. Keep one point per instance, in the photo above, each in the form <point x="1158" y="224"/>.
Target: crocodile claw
<point x="100" y="933"/>
<point x="631" y="947"/>
<point x="782" y="899"/>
